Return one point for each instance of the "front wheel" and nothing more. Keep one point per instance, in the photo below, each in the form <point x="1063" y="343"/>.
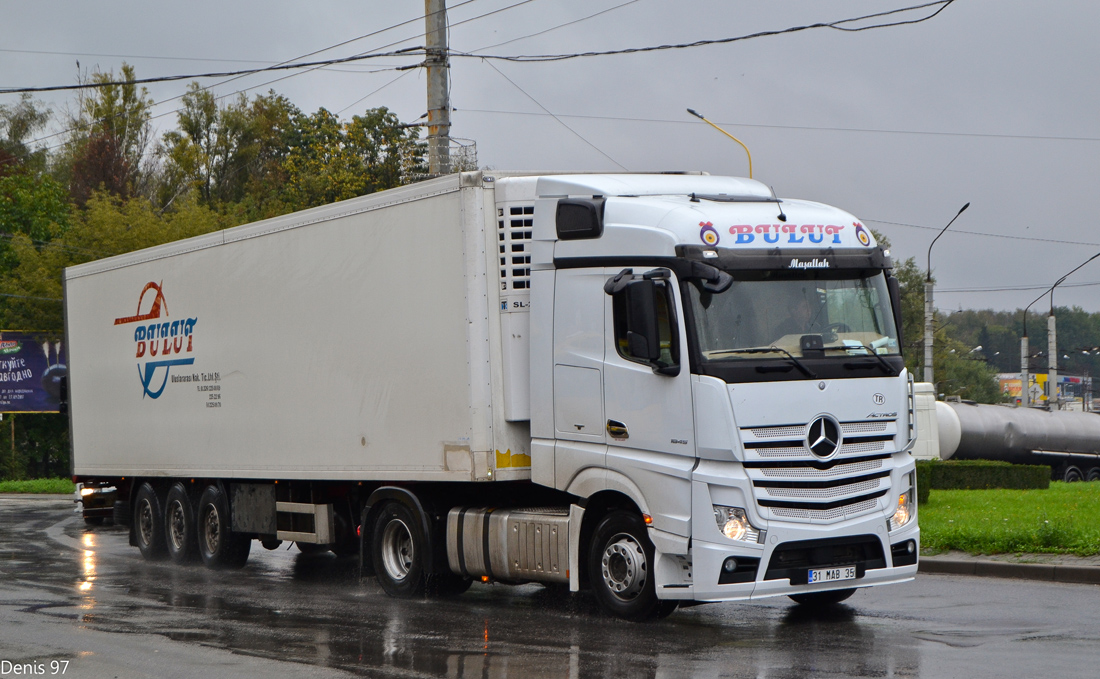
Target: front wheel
<point x="398" y="547"/>
<point x="620" y="569"/>
<point x="219" y="546"/>
<point x="822" y="599"/>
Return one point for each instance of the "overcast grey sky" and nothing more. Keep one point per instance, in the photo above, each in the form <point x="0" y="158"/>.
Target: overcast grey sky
<point x="995" y="102"/>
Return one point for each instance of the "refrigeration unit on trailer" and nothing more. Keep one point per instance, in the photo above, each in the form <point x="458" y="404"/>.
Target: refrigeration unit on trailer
<point x="665" y="388"/>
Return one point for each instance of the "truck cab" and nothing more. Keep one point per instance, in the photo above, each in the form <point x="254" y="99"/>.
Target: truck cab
<point x="730" y="363"/>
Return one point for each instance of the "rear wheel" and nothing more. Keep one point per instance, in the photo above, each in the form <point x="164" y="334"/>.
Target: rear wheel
<point x="821" y="599"/>
<point x="620" y="569"/>
<point x="1094" y="474"/>
<point x="219" y="546"/>
<point x="310" y="548"/>
<point x="1072" y="474"/>
<point x="149" y="523"/>
<point x="397" y="551"/>
<point x="179" y="525"/>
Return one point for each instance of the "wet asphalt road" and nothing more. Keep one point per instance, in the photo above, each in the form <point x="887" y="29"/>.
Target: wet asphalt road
<point x="80" y="595"/>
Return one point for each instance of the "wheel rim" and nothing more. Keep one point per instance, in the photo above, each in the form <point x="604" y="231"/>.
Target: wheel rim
<point x="211" y="530"/>
<point x="397" y="549"/>
<point x="145" y="521"/>
<point x="176" y="525"/>
<point x="623" y="567"/>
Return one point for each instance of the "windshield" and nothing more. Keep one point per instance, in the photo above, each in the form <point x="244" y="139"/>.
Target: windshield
<point x="807" y="314"/>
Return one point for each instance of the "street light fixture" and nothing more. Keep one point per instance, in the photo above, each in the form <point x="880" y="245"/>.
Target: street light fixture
<point x="928" y="301"/>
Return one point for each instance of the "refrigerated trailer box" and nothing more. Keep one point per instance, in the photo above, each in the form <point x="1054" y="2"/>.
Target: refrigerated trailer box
<point x="664" y="387"/>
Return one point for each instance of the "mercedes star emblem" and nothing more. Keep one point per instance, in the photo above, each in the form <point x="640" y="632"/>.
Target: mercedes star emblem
<point x="823" y="438"/>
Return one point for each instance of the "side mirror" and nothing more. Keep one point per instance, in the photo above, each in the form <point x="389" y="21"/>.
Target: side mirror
<point x="642" y="335"/>
<point x="895" y="301"/>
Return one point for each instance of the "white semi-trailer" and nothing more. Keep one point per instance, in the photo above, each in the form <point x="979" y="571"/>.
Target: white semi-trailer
<point x="665" y="388"/>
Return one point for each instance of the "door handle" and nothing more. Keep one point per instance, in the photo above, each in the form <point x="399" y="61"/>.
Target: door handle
<point x="617" y="430"/>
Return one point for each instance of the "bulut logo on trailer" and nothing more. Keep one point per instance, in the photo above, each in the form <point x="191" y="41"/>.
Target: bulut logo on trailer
<point x="159" y="339"/>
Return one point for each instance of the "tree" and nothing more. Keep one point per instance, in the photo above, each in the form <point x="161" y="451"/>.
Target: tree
<point x="111" y="131"/>
<point x="17" y="123"/>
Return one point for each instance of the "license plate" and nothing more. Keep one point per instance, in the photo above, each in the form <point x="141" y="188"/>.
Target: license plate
<point x="832" y="574"/>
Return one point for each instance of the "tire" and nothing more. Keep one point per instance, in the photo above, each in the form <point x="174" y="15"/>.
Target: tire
<point x="219" y="546"/>
<point x="822" y="599"/>
<point x="148" y="524"/>
<point x="398" y="546"/>
<point x="620" y="569"/>
<point x="93" y="520"/>
<point x="448" y="584"/>
<point x="309" y="548"/>
<point x="1072" y="474"/>
<point x="1094" y="474"/>
<point x="179" y="525"/>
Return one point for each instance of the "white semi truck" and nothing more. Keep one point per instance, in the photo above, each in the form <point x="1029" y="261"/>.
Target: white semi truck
<point x="666" y="388"/>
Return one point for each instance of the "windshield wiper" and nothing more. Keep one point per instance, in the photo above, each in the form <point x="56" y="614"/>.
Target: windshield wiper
<point x="771" y="350"/>
<point x="882" y="361"/>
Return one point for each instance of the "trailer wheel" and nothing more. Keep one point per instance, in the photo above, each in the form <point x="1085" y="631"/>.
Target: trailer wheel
<point x="620" y="569"/>
<point x="1072" y="474"/>
<point x="397" y="551"/>
<point x="179" y="525"/>
<point x="149" y="523"/>
<point x="219" y="546"/>
<point x="1094" y="474"/>
<point x="822" y="599"/>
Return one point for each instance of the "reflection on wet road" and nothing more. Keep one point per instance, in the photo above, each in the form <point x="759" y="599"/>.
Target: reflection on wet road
<point x="67" y="592"/>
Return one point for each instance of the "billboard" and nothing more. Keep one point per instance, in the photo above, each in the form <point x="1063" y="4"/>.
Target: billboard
<point x="32" y="366"/>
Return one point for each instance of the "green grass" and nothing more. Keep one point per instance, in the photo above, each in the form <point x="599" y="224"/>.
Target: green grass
<point x="38" y="486"/>
<point x="1063" y="519"/>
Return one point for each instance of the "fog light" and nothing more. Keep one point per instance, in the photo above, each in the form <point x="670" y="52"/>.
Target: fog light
<point x="729" y="565"/>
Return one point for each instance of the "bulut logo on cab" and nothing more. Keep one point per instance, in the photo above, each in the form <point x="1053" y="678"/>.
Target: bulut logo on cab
<point x="159" y="340"/>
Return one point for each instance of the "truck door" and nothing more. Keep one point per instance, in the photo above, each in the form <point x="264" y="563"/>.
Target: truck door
<point x="650" y="427"/>
<point x="578" y="372"/>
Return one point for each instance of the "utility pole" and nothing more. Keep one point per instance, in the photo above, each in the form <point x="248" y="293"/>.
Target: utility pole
<point x="1052" y="371"/>
<point x="437" y="62"/>
<point x="929" y="309"/>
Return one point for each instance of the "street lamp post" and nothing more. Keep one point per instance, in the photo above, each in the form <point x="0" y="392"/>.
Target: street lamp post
<point x="1052" y="342"/>
<point x="928" y="307"/>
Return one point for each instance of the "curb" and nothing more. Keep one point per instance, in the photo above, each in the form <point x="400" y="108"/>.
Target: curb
<point x="1089" y="575"/>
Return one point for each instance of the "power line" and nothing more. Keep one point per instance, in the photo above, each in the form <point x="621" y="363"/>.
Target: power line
<point x="837" y="25"/>
<point x="568" y="23"/>
<point x="519" y="58"/>
<point x="790" y="127"/>
<point x="537" y="103"/>
<point x="989" y="235"/>
<point x="1016" y="288"/>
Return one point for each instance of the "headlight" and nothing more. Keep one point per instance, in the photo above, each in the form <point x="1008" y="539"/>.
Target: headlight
<point x="734" y="524"/>
<point x="85" y="492"/>
<point x="903" y="511"/>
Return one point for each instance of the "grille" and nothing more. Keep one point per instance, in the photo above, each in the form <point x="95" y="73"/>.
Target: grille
<point x="823" y="493"/>
<point x="776" y="432"/>
<point x="839" y="470"/>
<point x="825" y="514"/>
<point x="799" y="430"/>
<point x="863" y="427"/>
<point x="870" y="446"/>
<point x="790" y="482"/>
<point x="514" y="241"/>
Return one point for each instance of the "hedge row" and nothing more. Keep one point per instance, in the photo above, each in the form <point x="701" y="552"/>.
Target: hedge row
<point x="978" y="475"/>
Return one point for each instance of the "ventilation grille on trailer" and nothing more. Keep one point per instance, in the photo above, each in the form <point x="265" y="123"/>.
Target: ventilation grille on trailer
<point x="515" y="242"/>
